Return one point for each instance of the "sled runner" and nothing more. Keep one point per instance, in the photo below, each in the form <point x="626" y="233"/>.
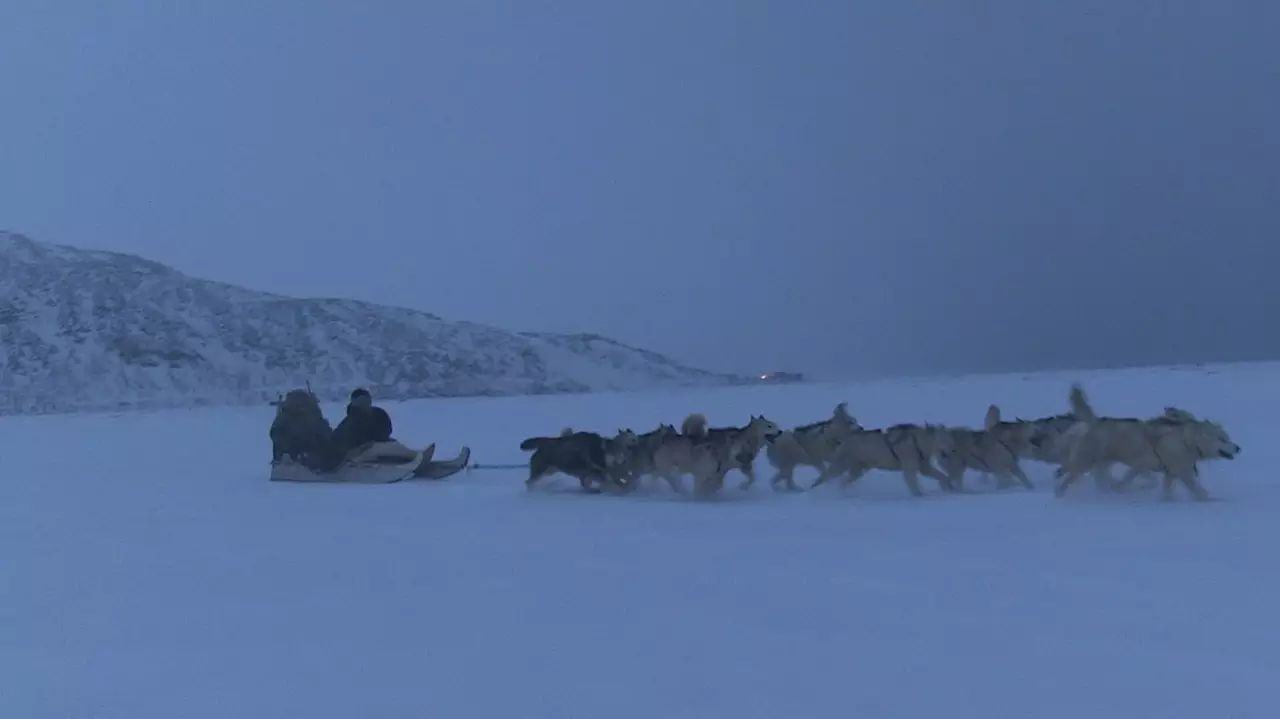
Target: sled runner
<point x="380" y="463"/>
<point x="383" y="463"/>
<point x="439" y="469"/>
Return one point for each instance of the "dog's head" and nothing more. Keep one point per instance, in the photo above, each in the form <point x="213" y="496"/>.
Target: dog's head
<point x="661" y="432"/>
<point x="1045" y="435"/>
<point x="1018" y="435"/>
<point x="1212" y="441"/>
<point x="764" y="428"/>
<point x="625" y="439"/>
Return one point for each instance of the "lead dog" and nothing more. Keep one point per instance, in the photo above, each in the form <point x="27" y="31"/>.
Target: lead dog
<point x="1172" y="445"/>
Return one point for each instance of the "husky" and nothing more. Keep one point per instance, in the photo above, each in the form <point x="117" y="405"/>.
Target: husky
<point x="708" y="454"/>
<point x="588" y="457"/>
<point x="811" y="445"/>
<point x="1172" y="445"/>
<point x="906" y="448"/>
<point x="1048" y="443"/>
<point x="639" y="462"/>
<point x="736" y="447"/>
<point x="995" y="449"/>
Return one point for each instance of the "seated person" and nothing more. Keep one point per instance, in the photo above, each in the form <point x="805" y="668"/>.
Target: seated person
<point x="365" y="424"/>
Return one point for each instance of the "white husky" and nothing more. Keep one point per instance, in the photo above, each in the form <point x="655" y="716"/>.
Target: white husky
<point x="1171" y="445"/>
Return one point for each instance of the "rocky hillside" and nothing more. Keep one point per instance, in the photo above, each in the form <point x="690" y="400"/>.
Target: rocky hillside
<point x="84" y="330"/>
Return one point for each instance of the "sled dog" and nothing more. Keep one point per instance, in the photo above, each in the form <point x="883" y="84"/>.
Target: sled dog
<point x="811" y="445"/>
<point x="906" y="448"/>
<point x="1171" y="445"/>
<point x="708" y="454"/>
<point x="590" y="458"/>
<point x="639" y="460"/>
<point x="995" y="449"/>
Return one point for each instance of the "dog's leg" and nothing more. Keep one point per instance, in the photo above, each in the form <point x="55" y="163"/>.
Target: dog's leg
<point x="953" y="468"/>
<point x="537" y="470"/>
<point x="706" y="485"/>
<point x="750" y="472"/>
<point x="1126" y="482"/>
<point x="786" y="475"/>
<point x="1016" y="469"/>
<point x="777" y="477"/>
<point x="1130" y="478"/>
<point x="928" y="470"/>
<point x="1004" y="480"/>
<point x="1102" y="478"/>
<point x="853" y="474"/>
<point x="673" y="479"/>
<point x="586" y="485"/>
<point x="1188" y="478"/>
<point x="717" y="482"/>
<point x="910" y="474"/>
<point x="1069" y="475"/>
<point x="827" y="473"/>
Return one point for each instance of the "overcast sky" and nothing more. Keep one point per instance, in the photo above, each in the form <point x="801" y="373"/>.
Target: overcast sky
<point x="838" y="187"/>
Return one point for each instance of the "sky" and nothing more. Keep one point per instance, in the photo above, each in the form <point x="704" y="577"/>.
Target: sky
<point x="840" y="188"/>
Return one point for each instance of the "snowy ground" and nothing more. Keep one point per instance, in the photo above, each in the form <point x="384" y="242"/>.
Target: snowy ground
<point x="147" y="569"/>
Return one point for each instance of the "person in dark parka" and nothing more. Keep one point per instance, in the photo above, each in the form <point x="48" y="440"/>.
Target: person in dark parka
<point x="363" y="424"/>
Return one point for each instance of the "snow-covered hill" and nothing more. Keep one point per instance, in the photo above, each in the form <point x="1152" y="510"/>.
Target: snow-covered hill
<point x="85" y="330"/>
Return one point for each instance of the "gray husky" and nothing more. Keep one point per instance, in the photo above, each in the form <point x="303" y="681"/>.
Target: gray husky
<point x="906" y="448"/>
<point x="1172" y="445"/>
<point x="708" y="454"/>
<point x="811" y="445"/>
<point x="639" y="461"/>
<point x="589" y="457"/>
<point x="995" y="449"/>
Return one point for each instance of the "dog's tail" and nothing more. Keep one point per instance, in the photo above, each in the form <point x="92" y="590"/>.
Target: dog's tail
<point x="695" y="425"/>
<point x="538" y="442"/>
<point x="1080" y="406"/>
<point x="992" y="418"/>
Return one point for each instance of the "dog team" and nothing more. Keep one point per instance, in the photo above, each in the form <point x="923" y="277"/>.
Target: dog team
<point x="1079" y="442"/>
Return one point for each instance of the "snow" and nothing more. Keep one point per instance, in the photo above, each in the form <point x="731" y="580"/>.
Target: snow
<point x="153" y="572"/>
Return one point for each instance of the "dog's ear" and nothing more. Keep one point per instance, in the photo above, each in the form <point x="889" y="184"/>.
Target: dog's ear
<point x="993" y="416"/>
